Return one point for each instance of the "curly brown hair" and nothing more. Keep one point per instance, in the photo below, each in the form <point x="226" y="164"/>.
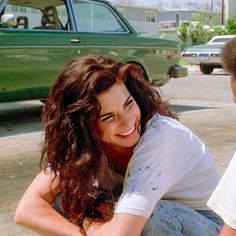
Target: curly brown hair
<point x="72" y="147"/>
<point x="229" y="56"/>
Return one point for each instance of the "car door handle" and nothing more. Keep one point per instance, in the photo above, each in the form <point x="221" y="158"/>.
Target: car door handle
<point x="77" y="40"/>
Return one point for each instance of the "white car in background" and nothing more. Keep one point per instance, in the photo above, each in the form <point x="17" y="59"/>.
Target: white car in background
<point x="207" y="56"/>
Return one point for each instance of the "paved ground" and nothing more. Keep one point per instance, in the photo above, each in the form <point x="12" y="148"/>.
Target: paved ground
<point x="204" y="103"/>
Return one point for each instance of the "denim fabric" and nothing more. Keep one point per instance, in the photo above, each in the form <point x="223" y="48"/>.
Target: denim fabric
<point x="172" y="219"/>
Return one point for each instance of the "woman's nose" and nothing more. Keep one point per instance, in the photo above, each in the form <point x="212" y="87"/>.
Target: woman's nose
<point x="125" y="120"/>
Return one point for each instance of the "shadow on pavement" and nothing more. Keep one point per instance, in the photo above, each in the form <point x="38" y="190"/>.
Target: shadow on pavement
<point x="24" y="117"/>
<point x="20" y="117"/>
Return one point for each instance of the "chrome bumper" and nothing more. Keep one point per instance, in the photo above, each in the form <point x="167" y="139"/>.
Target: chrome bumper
<point x="177" y="71"/>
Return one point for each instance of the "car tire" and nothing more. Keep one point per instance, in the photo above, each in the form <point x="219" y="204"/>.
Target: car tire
<point x="206" y="69"/>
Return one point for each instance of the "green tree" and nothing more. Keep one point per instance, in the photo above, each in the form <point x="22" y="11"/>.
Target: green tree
<point x="201" y="34"/>
<point x="231" y="26"/>
<point x="184" y="35"/>
<point x="201" y="29"/>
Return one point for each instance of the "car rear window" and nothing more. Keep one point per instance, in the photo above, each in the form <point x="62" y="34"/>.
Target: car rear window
<point x="97" y="17"/>
<point x="38" y="17"/>
<point x="221" y="40"/>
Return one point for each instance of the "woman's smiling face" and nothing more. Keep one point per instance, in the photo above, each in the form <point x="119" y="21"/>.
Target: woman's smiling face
<point x="119" y="122"/>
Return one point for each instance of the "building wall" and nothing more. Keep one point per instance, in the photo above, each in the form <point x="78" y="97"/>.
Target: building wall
<point x="146" y="28"/>
<point x="134" y="14"/>
<point x="137" y="18"/>
<point x="166" y="21"/>
<point x="230" y="9"/>
<point x="184" y="15"/>
<point x="171" y="15"/>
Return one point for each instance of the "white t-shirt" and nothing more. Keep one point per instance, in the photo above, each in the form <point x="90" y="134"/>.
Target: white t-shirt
<point x="169" y="162"/>
<point x="223" y="199"/>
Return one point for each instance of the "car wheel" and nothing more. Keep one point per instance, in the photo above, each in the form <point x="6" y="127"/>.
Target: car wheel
<point x="206" y="69"/>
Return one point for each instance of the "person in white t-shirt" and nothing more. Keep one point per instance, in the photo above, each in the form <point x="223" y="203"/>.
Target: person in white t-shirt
<point x="223" y="199"/>
<point x="105" y="126"/>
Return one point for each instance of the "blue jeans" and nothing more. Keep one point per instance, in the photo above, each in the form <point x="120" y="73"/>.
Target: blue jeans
<point x="172" y="219"/>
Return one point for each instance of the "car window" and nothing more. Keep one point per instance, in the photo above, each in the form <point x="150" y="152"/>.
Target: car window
<point x="220" y="40"/>
<point x="29" y="17"/>
<point x="97" y="17"/>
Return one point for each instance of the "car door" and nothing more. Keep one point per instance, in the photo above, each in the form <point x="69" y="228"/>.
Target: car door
<point x="32" y="54"/>
<point x="103" y="30"/>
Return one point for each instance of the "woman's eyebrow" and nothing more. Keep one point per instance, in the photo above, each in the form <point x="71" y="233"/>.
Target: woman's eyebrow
<point x="111" y="113"/>
<point x="127" y="100"/>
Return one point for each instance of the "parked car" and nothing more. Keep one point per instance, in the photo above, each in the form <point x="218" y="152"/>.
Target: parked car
<point x="207" y="56"/>
<point x="37" y="39"/>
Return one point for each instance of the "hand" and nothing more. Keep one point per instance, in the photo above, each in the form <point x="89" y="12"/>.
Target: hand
<point x="106" y="209"/>
<point x="90" y="225"/>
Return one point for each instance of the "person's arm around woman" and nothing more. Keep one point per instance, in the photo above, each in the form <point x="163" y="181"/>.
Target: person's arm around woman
<point x="35" y="209"/>
<point x="227" y="231"/>
<point x="119" y="225"/>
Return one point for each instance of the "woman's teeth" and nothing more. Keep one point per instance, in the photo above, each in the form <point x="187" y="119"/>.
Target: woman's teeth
<point x="128" y="132"/>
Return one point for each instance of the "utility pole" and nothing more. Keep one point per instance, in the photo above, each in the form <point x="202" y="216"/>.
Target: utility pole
<point x="211" y="5"/>
<point x="222" y="12"/>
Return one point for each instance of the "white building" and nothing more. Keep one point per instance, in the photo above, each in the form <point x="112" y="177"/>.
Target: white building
<point x="230" y="9"/>
<point x="157" y="22"/>
<point x="144" y="20"/>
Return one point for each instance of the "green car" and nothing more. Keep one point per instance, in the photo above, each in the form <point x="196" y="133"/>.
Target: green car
<point x="38" y="38"/>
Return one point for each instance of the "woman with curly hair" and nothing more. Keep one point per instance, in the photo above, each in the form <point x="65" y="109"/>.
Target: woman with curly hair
<point x="116" y="161"/>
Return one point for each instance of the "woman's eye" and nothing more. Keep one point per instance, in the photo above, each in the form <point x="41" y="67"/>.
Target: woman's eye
<point x="107" y="118"/>
<point x="129" y="103"/>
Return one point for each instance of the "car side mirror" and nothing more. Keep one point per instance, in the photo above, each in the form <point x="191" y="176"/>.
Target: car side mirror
<point x="8" y="21"/>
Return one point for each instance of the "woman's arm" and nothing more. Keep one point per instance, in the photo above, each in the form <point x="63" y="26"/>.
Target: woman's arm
<point x="227" y="231"/>
<point x="119" y="225"/>
<point x="35" y="209"/>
